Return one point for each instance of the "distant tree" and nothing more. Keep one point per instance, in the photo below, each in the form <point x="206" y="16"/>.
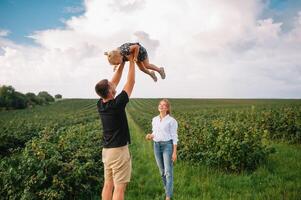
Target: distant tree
<point x="9" y="98"/>
<point x="19" y="101"/>
<point x="34" y="99"/>
<point x="58" y="96"/>
<point x="6" y="96"/>
<point x="46" y="96"/>
<point x="31" y="96"/>
<point x="41" y="100"/>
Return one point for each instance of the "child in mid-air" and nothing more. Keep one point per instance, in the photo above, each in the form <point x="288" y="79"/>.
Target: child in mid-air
<point x="122" y="53"/>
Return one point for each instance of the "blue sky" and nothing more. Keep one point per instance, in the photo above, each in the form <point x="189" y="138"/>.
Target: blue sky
<point x="23" y="17"/>
<point x="282" y="11"/>
<point x="224" y="49"/>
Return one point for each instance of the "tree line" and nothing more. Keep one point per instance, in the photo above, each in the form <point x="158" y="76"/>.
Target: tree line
<point x="12" y="99"/>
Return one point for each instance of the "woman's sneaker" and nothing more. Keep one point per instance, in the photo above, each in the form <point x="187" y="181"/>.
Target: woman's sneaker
<point x="153" y="75"/>
<point x="162" y="73"/>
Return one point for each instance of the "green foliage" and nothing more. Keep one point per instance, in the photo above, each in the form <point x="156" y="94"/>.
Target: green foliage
<point x="46" y="96"/>
<point x="33" y="99"/>
<point x="61" y="164"/>
<point x="19" y="101"/>
<point x="228" y="145"/>
<point x="231" y="135"/>
<point x="9" y="98"/>
<point x="6" y="95"/>
<point x="283" y="123"/>
<point x="58" y="96"/>
<point x="19" y="126"/>
<point x="277" y="178"/>
<point x="51" y="152"/>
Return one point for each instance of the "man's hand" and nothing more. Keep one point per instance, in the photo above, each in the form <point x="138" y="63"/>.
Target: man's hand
<point x="134" y="49"/>
<point x="131" y="58"/>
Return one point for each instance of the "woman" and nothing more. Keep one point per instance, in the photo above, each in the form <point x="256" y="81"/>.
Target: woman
<point x="165" y="139"/>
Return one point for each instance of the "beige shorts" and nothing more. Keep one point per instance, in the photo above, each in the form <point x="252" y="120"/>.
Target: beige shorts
<point x="117" y="164"/>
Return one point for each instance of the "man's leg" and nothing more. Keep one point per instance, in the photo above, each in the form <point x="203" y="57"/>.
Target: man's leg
<point x="108" y="185"/>
<point x="107" y="190"/>
<point x="122" y="173"/>
<point x="119" y="190"/>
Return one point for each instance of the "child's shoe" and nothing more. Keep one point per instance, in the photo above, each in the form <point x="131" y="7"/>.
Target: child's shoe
<point x="162" y="73"/>
<point x="153" y="75"/>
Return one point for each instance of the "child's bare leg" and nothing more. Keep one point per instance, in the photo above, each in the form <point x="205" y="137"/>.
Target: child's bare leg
<point x="145" y="70"/>
<point x="154" y="67"/>
<point x="150" y="66"/>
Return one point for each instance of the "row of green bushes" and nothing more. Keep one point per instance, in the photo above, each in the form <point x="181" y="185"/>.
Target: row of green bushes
<point x="19" y="126"/>
<point x="282" y="123"/>
<point x="230" y="145"/>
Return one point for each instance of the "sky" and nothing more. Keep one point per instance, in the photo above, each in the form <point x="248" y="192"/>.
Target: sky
<point x="209" y="49"/>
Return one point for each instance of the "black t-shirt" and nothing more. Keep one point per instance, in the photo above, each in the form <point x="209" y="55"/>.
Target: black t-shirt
<point x="114" y="122"/>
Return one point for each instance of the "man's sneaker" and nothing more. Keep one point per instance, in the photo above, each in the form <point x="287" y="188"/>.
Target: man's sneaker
<point x="153" y="75"/>
<point x="162" y="73"/>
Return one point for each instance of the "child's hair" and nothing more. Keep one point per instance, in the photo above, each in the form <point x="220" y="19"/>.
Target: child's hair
<point x="114" y="57"/>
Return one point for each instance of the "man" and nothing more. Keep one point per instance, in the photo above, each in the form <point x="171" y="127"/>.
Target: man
<point x="116" y="136"/>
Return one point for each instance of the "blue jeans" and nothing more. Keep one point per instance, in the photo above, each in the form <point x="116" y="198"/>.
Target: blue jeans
<point x="163" y="154"/>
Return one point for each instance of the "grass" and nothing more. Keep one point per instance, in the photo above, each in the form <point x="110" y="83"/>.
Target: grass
<point x="146" y="181"/>
<point x="278" y="178"/>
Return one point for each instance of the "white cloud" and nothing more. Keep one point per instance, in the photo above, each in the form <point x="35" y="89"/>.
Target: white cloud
<point x="208" y="48"/>
<point x="126" y="5"/>
<point x="4" y="33"/>
<point x="150" y="44"/>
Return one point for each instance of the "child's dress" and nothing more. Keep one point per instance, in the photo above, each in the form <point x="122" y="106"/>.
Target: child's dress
<point x="125" y="51"/>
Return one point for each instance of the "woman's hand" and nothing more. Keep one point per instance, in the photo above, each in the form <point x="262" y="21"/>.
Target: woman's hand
<point x="174" y="156"/>
<point x="149" y="136"/>
<point x="174" y="153"/>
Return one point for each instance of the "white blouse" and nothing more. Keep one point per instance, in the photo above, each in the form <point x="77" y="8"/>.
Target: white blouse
<point x="165" y="129"/>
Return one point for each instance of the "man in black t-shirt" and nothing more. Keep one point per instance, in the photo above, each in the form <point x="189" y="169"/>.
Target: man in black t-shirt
<point x="116" y="136"/>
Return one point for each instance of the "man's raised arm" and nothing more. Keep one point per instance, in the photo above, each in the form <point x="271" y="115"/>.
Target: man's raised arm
<point x="130" y="81"/>
<point x="117" y="75"/>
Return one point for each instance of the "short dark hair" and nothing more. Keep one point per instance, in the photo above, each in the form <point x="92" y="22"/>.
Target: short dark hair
<point x="102" y="88"/>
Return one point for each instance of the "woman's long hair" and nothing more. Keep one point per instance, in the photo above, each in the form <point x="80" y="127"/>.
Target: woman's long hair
<point x="168" y="106"/>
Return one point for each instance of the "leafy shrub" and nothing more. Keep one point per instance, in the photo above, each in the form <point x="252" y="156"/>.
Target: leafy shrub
<point x="61" y="164"/>
<point x="283" y="123"/>
<point x="229" y="145"/>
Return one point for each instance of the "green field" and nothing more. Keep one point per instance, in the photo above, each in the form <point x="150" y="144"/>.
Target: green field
<point x="228" y="149"/>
